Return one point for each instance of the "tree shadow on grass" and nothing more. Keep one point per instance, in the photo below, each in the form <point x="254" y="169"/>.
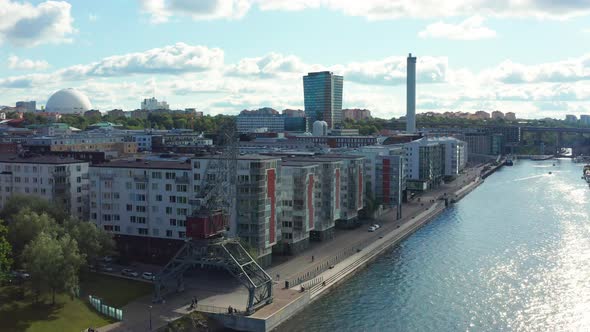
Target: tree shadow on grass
<point x="17" y="312"/>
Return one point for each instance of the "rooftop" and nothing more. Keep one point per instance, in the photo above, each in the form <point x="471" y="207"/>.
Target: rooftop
<point x="143" y="163"/>
<point x="55" y="160"/>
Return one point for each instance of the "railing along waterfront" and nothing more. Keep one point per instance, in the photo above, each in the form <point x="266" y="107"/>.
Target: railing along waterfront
<point x="328" y="263"/>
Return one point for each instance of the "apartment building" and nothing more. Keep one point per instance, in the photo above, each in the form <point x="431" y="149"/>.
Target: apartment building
<point x="144" y="203"/>
<point x="300" y="189"/>
<point x="60" y="180"/>
<point x="385" y="173"/>
<point x="256" y="205"/>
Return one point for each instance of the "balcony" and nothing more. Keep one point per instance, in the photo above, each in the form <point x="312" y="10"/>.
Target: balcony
<point x="182" y="180"/>
<point x="140" y="178"/>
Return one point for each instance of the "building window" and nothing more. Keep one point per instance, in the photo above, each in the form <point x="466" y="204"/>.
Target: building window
<point x="129" y="207"/>
<point x="169" y="233"/>
<point x="168" y="210"/>
<point x="140" y="186"/>
<point x="156" y="175"/>
<point x="168" y="187"/>
<point x="170" y="175"/>
<point x="182" y="235"/>
<point x="172" y="222"/>
<point x="172" y="199"/>
<point x="159" y="198"/>
<point x="154" y="186"/>
<point x="142" y="231"/>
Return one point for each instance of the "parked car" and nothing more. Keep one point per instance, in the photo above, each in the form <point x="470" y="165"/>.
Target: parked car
<point x="107" y="259"/>
<point x="376" y="226"/>
<point x="106" y="268"/>
<point x="148" y="276"/>
<point x="129" y="273"/>
<point x="372" y="229"/>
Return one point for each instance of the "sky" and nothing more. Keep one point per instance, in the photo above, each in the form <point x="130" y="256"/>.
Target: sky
<point x="531" y="57"/>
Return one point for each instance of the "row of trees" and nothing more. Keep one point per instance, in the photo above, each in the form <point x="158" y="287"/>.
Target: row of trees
<point x="48" y="244"/>
<point x="155" y="120"/>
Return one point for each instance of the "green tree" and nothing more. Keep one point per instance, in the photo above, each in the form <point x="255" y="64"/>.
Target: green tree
<point x="53" y="264"/>
<point x="18" y="202"/>
<point x="5" y="252"/>
<point x="93" y="242"/>
<point x="26" y="226"/>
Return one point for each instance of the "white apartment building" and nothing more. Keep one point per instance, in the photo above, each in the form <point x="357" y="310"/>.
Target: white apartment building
<point x="300" y="190"/>
<point x="152" y="104"/>
<point x="141" y="198"/>
<point x="385" y="172"/>
<point x="455" y="155"/>
<point x="60" y="180"/>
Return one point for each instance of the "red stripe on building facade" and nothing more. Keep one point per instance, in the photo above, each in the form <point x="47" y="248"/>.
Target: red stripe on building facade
<point x="338" y="188"/>
<point x="271" y="193"/>
<point x="310" y="210"/>
<point x="385" y="182"/>
<point x="360" y="202"/>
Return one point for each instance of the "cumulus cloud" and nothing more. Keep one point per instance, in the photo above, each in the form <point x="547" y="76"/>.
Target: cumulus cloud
<point x="392" y="70"/>
<point x="470" y="29"/>
<point x="571" y="70"/>
<point x="162" y="10"/>
<point x="15" y="62"/>
<point x="172" y="59"/>
<point x="24" y="24"/>
<point x="269" y="65"/>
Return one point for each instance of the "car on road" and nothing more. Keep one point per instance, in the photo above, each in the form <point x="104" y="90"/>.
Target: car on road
<point x="129" y="273"/>
<point x="376" y="226"/>
<point x="148" y="276"/>
<point x="372" y="229"/>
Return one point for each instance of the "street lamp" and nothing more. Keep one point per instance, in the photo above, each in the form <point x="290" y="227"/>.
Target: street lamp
<point x="150" y="307"/>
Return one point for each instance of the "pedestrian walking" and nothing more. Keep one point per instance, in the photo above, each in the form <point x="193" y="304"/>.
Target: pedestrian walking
<point x="312" y="258"/>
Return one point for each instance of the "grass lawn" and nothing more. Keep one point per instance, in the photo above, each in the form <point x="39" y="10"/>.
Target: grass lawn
<point x="20" y="314"/>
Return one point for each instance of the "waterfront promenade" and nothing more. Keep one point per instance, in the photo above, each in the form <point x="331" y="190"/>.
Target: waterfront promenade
<point x="288" y="301"/>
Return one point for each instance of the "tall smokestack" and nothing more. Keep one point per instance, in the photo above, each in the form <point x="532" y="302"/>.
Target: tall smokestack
<point x="411" y="95"/>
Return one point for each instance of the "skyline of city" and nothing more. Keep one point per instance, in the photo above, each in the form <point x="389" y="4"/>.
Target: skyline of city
<point x="186" y="62"/>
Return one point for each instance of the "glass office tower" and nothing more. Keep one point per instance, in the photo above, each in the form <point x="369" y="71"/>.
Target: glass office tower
<point x="323" y="98"/>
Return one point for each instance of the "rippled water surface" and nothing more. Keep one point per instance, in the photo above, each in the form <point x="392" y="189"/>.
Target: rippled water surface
<point x="514" y="255"/>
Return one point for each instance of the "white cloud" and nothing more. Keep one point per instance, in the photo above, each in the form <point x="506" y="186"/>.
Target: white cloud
<point x="196" y="76"/>
<point x="172" y="59"/>
<point x="15" y="62"/>
<point x="470" y="29"/>
<point x="571" y="70"/>
<point x="24" y="24"/>
<point x="162" y="10"/>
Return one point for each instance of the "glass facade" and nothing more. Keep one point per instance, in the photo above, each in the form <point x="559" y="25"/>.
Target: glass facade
<point x="323" y="97"/>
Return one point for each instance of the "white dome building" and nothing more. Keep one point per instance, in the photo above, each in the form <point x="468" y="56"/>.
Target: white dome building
<point x="68" y="101"/>
<point x="320" y="128"/>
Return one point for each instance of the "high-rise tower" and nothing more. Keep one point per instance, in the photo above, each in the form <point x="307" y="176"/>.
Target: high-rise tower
<point x="322" y="92"/>
<point x="411" y="95"/>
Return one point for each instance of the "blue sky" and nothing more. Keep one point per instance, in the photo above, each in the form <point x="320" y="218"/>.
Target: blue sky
<point x="221" y="56"/>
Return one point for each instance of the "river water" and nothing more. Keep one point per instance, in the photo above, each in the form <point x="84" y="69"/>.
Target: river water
<point x="514" y="255"/>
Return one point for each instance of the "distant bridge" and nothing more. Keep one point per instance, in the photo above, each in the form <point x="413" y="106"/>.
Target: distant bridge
<point x="556" y="130"/>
